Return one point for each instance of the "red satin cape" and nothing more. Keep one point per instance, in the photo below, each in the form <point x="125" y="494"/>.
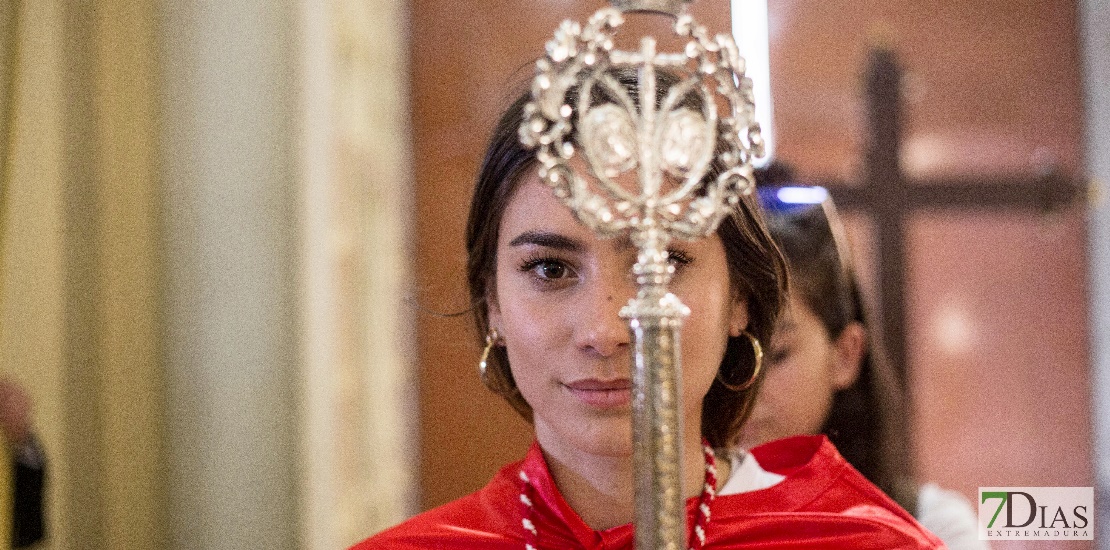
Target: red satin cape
<point x="822" y="503"/>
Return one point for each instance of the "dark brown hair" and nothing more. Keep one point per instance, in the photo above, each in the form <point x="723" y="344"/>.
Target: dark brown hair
<point x="757" y="272"/>
<point x="867" y="420"/>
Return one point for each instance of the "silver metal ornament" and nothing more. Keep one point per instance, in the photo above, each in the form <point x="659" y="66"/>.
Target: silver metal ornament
<point x="656" y="162"/>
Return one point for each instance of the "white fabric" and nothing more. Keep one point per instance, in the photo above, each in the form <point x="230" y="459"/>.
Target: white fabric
<point x="747" y="475"/>
<point x="949" y="516"/>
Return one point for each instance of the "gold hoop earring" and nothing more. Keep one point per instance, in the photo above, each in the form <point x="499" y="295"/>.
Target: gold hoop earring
<point x="491" y="340"/>
<point x="757" y="350"/>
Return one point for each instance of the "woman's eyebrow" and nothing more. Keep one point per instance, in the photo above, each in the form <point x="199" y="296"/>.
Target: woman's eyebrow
<point x="548" y="240"/>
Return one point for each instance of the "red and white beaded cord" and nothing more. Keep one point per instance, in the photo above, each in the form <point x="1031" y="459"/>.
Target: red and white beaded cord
<point x="701" y="518"/>
<point x="531" y="536"/>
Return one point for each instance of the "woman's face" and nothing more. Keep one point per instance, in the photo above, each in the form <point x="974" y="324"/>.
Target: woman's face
<point x="805" y="367"/>
<point x="559" y="289"/>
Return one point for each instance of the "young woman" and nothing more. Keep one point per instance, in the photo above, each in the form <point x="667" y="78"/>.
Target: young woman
<point x="548" y="292"/>
<point x="826" y="373"/>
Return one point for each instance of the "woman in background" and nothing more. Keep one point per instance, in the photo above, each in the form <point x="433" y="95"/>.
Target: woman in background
<point x="826" y="372"/>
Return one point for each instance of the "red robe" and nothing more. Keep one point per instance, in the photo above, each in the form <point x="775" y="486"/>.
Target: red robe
<point x="822" y="503"/>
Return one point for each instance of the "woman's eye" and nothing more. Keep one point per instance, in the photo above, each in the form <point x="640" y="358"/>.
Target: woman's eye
<point x="778" y="355"/>
<point x="678" y="258"/>
<point x="547" y="269"/>
<point x="551" y="270"/>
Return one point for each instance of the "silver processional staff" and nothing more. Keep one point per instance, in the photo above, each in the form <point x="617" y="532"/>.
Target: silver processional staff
<point x="670" y="144"/>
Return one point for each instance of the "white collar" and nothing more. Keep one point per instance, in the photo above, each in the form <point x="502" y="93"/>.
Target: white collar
<point x="747" y="475"/>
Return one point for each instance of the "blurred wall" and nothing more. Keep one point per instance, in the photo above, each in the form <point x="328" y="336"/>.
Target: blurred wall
<point x="80" y="324"/>
<point x="32" y="301"/>
<point x="231" y="354"/>
<point x="355" y="269"/>
<point x="114" y="387"/>
<point x="204" y="266"/>
<point x="286" y="168"/>
<point x="1095" y="23"/>
<point x="992" y="87"/>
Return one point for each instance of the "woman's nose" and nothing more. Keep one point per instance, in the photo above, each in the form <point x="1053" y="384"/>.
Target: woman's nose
<point x="600" y="329"/>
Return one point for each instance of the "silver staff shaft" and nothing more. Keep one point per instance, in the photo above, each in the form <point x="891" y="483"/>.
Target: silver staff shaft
<point x="657" y="434"/>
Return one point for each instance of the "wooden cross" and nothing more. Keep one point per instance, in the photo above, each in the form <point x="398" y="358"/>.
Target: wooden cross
<point x="890" y="197"/>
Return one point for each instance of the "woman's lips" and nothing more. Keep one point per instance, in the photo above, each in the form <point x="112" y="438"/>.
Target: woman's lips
<point x="602" y="394"/>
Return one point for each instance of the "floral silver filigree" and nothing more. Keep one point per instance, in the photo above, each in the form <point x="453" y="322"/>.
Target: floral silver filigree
<point x="575" y="89"/>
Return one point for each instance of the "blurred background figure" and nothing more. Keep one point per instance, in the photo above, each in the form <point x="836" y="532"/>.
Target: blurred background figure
<point x="23" y="492"/>
<point x="827" y="373"/>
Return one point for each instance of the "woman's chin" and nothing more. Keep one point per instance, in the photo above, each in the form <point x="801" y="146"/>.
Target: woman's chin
<point x="610" y="437"/>
<point x="615" y="442"/>
<point x="753" y="436"/>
